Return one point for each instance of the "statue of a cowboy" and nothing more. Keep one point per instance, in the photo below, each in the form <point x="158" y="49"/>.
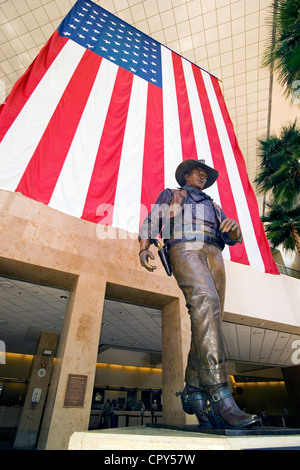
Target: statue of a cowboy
<point x="195" y="230"/>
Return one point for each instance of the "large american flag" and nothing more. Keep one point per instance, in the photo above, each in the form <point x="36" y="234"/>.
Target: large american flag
<point x="98" y="124"/>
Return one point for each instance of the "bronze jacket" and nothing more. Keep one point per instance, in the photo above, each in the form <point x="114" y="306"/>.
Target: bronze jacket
<point x="185" y="214"/>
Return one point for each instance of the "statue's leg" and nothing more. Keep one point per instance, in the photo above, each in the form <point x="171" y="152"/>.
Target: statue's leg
<point x="200" y="275"/>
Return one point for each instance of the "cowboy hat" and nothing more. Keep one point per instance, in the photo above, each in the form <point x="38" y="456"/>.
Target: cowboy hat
<point x="188" y="165"/>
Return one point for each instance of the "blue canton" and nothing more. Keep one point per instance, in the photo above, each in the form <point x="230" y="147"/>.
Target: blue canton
<point x="98" y="30"/>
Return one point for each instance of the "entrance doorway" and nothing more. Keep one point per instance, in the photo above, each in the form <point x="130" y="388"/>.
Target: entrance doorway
<point x="129" y="366"/>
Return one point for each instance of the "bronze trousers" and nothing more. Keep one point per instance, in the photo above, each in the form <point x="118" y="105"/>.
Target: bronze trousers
<point x="199" y="271"/>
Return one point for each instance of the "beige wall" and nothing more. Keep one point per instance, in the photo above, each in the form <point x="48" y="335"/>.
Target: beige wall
<point x="253" y="296"/>
<point x="128" y="376"/>
<point x="284" y="111"/>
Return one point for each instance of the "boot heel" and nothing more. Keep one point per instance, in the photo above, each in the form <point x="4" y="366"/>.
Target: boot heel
<point x="216" y="421"/>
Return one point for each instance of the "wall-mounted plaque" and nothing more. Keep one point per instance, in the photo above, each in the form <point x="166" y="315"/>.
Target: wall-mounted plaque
<point x="75" y="391"/>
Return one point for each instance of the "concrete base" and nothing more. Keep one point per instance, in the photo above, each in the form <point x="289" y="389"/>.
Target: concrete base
<point x="155" y="438"/>
<point x="254" y="431"/>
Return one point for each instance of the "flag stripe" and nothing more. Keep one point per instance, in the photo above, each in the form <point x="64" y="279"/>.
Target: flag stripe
<point x="238" y="252"/>
<point x="103" y="184"/>
<point x="58" y="136"/>
<point x="262" y="242"/>
<point x="172" y="142"/>
<point x="201" y="137"/>
<point x="26" y="84"/>
<point x="128" y="192"/>
<point x="244" y="218"/>
<point x="153" y="161"/>
<point x="26" y="131"/>
<point x="223" y="183"/>
<point x="185" y="121"/>
<point x="73" y="183"/>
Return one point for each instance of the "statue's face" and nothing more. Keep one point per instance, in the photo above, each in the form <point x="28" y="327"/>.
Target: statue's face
<point x="197" y="178"/>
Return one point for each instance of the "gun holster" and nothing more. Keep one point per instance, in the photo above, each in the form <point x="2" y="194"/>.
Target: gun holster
<point x="164" y="256"/>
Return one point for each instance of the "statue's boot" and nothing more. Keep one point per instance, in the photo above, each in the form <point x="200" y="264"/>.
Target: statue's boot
<point x="223" y="412"/>
<point x="194" y="402"/>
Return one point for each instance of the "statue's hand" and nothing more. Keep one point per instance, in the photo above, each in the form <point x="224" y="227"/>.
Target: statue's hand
<point x="144" y="255"/>
<point x="231" y="227"/>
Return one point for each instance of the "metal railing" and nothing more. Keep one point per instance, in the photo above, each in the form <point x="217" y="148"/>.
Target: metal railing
<point x="288" y="271"/>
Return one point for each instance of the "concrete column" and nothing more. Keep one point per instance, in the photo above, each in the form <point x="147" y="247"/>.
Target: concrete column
<point x="37" y="391"/>
<point x="175" y="347"/>
<point x="77" y="354"/>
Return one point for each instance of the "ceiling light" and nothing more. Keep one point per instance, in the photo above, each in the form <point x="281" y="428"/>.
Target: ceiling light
<point x="6" y="285"/>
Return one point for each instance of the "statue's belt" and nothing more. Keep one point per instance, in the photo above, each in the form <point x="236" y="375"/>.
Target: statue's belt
<point x="196" y="230"/>
<point x="208" y="235"/>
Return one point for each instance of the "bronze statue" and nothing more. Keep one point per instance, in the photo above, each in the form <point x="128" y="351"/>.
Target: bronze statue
<point x="195" y="229"/>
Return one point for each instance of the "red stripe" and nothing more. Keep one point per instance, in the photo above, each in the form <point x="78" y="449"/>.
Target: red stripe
<point x="42" y="172"/>
<point x="104" y="179"/>
<point x="188" y="143"/>
<point x="26" y="84"/>
<point x="261" y="238"/>
<point x="238" y="252"/>
<point x="153" y="162"/>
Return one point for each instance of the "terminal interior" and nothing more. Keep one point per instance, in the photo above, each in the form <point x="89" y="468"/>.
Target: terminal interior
<point x="129" y="362"/>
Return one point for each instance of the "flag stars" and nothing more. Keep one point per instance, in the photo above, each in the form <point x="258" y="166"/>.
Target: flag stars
<point x="112" y="39"/>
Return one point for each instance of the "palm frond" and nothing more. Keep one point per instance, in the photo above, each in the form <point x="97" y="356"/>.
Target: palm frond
<point x="283" y="48"/>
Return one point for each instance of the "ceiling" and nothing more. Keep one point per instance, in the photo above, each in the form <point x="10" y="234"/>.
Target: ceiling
<point x="225" y="37"/>
<point x="27" y="309"/>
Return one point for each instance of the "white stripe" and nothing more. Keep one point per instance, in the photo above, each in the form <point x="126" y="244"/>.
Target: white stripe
<point x="22" y="138"/>
<point x="172" y="136"/>
<point x="128" y="193"/>
<point x="73" y="183"/>
<point x="253" y="252"/>
<point x="200" y="132"/>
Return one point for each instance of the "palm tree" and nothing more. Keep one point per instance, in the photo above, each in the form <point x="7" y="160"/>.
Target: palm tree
<point x="283" y="227"/>
<point x="280" y="166"/>
<point x="283" y="52"/>
<point x="279" y="176"/>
